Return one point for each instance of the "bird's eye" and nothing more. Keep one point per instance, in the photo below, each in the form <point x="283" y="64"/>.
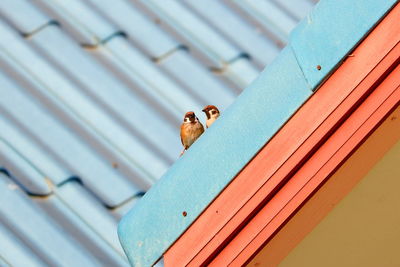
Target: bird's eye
<point x="214" y="112"/>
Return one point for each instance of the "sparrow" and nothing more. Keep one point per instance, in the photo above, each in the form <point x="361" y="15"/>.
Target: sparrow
<point x="191" y="129"/>
<point x="212" y="114"/>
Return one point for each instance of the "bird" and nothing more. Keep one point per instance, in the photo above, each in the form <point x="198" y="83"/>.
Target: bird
<point x="212" y="114"/>
<point x="191" y="129"/>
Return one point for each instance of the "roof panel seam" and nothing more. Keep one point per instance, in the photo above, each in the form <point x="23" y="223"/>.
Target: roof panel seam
<point x="300" y="67"/>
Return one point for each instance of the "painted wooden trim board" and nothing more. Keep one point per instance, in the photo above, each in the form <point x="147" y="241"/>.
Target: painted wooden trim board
<point x="314" y="173"/>
<point x="331" y="193"/>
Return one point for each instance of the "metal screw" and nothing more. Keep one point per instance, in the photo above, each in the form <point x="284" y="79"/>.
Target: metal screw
<point x="318" y="67"/>
<point x="184" y="214"/>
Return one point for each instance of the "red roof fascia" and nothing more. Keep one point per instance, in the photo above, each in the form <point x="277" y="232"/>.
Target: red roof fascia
<point x="330" y="193"/>
<point x="303" y="135"/>
<point x="313" y="174"/>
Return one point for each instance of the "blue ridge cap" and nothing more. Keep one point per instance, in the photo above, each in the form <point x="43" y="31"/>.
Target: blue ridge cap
<point x="197" y="178"/>
<point x="330" y="31"/>
<point x="213" y="161"/>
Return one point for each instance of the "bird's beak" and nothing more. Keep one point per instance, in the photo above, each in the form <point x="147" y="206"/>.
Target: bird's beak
<point x="204" y="110"/>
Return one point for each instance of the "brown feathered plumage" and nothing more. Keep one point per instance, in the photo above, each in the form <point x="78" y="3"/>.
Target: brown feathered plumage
<point x="191" y="129"/>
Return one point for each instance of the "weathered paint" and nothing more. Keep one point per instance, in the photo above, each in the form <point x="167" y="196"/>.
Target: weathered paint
<point x="204" y="171"/>
<point x="331" y="31"/>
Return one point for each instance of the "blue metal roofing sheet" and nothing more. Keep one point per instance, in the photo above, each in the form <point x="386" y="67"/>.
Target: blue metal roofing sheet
<point x="93" y="93"/>
<point x="197" y="79"/>
<point x="61" y="141"/>
<point x="241" y="72"/>
<point x="191" y="29"/>
<point x="141" y="30"/>
<point x="16" y="165"/>
<point x="129" y="72"/>
<point x="24" y="16"/>
<point x="270" y="16"/>
<point x="96" y="81"/>
<point x="149" y="229"/>
<point x="91" y="212"/>
<point x="37" y="230"/>
<point x="88" y="27"/>
<point x="32" y="152"/>
<point x="63" y="212"/>
<point x="250" y="39"/>
<point x="162" y="86"/>
<point x="14" y="252"/>
<point x="298" y="9"/>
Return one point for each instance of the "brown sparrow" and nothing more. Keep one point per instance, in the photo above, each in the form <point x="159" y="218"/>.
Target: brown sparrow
<point x="191" y="129"/>
<point x="212" y="114"/>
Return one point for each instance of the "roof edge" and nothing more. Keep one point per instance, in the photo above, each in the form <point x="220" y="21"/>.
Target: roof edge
<point x="309" y="128"/>
<point x="273" y="97"/>
<point x="155" y="223"/>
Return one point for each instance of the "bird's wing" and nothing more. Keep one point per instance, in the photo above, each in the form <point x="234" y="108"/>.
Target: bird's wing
<point x="182" y="133"/>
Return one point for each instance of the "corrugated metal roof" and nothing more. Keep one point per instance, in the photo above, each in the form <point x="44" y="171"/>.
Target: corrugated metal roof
<point x="92" y="95"/>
